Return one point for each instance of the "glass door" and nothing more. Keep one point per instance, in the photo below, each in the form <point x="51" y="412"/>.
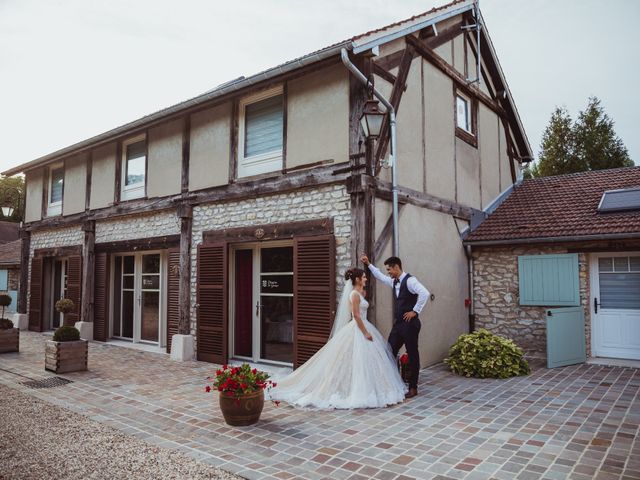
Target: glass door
<point x="137" y="297"/>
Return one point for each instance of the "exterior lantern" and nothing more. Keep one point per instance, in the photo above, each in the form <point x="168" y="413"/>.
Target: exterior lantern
<point x="371" y="120"/>
<point x="7" y="211"/>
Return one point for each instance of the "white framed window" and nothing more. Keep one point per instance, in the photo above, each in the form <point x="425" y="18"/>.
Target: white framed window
<point x="56" y="190"/>
<point x="261" y="133"/>
<point x="463" y="113"/>
<point x="134" y="167"/>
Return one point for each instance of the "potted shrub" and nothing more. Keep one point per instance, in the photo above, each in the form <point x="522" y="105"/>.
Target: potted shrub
<point x="66" y="352"/>
<point x="241" y="392"/>
<point x="9" y="336"/>
<point x="64" y="306"/>
<point x="482" y="354"/>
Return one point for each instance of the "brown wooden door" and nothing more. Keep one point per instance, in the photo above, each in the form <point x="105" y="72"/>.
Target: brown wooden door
<point x="101" y="297"/>
<point x="35" y="295"/>
<point x="314" y="294"/>
<point x="74" y="288"/>
<point x="173" y="296"/>
<point x="212" y="301"/>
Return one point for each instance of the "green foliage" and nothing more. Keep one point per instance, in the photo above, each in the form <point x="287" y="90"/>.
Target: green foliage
<point x="11" y="192"/>
<point x="66" y="334"/>
<point x="5" y="324"/>
<point x="482" y="354"/>
<point x="65" y="305"/>
<point x="589" y="143"/>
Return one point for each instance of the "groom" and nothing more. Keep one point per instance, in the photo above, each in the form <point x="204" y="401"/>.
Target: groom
<point x="410" y="297"/>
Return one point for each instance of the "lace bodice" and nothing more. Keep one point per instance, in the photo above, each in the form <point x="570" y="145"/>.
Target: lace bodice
<point x="364" y="305"/>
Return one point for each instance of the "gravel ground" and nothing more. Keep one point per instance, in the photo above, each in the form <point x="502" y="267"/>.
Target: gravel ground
<point x="40" y="440"/>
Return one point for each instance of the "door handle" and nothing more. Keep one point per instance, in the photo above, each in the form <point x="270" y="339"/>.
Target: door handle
<point x="595" y="304"/>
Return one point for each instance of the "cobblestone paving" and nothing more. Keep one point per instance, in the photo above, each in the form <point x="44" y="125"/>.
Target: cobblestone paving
<point x="578" y="422"/>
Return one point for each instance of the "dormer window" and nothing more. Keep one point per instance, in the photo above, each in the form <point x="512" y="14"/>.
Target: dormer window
<point x="261" y="133"/>
<point x="56" y="190"/>
<point x="134" y="168"/>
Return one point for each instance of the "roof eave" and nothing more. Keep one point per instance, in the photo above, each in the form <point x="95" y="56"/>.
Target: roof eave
<point x="562" y="239"/>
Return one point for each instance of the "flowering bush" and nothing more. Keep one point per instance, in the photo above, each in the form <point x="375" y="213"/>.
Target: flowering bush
<point x="237" y="381"/>
<point x="404" y="359"/>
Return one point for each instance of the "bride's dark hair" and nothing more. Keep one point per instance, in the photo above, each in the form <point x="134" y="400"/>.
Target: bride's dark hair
<point x="352" y="274"/>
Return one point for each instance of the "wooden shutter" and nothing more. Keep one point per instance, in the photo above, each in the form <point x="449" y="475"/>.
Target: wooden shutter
<point x="173" y="295"/>
<point x="212" y="301"/>
<point x="549" y="280"/>
<point x="101" y="297"/>
<point x="35" y="295"/>
<point x="314" y="294"/>
<point x="74" y="288"/>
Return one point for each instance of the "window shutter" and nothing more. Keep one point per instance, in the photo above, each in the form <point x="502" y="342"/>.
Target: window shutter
<point x="314" y="294"/>
<point x="101" y="297"/>
<point x="173" y="295"/>
<point x="74" y="286"/>
<point x="4" y="280"/>
<point x="549" y="280"/>
<point x="212" y="301"/>
<point x="35" y="295"/>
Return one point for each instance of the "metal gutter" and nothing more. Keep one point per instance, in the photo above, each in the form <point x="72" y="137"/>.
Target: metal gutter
<point x="226" y="89"/>
<point x="572" y="238"/>
<point x="408" y="30"/>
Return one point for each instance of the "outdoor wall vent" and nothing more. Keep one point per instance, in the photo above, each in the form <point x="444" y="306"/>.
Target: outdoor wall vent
<point x="620" y="200"/>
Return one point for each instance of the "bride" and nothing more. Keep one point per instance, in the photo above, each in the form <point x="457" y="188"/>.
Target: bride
<point x="355" y="369"/>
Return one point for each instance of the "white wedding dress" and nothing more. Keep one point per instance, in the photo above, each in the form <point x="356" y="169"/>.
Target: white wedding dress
<point x="349" y="371"/>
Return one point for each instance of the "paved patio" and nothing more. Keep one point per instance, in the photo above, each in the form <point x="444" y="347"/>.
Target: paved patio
<point x="577" y="422"/>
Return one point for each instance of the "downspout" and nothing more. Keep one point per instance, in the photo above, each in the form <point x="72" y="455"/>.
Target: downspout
<point x="392" y="154"/>
<point x="472" y="314"/>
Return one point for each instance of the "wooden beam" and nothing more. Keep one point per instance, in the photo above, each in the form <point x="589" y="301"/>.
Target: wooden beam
<point x="396" y="96"/>
<point x="385" y="236"/>
<point x="58" y="251"/>
<point x="87" y="196"/>
<point x="357" y="99"/>
<point x="384" y="74"/>
<point x="186" y="140"/>
<point x="186" y="220"/>
<point x="118" y="179"/>
<point x="152" y="243"/>
<point x="25" y="249"/>
<point x="424" y="200"/>
<point x="88" y="268"/>
<point x="461" y="82"/>
<point x="273" y="231"/>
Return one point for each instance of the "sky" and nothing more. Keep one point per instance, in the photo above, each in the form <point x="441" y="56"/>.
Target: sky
<point x="72" y="69"/>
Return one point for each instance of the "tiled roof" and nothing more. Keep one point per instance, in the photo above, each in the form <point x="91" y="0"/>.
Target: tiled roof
<point x="10" y="253"/>
<point x="561" y="206"/>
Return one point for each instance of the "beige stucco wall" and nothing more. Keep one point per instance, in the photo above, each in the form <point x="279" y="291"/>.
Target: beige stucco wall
<point x="489" y="143"/>
<point x="164" y="167"/>
<point x="33" y="207"/>
<point x="75" y="184"/>
<point x="209" y="147"/>
<point x="318" y="117"/>
<point x="431" y="250"/>
<point x="103" y="174"/>
<point x="468" y="174"/>
<point x="458" y="54"/>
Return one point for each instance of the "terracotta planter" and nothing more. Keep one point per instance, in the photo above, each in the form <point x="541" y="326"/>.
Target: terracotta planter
<point x="63" y="357"/>
<point x="242" y="410"/>
<point x="9" y="340"/>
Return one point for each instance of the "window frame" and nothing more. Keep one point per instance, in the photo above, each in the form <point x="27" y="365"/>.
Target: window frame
<point x="469" y="136"/>
<point x="137" y="190"/>
<point x="265" y="163"/>
<point x="54" y="209"/>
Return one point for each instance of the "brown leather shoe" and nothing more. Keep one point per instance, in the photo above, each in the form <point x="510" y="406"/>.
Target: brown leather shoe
<point x="411" y="393"/>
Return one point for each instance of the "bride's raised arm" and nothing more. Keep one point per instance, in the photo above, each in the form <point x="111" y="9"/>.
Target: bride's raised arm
<point x="355" y="311"/>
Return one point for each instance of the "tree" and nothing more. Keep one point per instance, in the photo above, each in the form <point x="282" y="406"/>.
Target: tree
<point x="589" y="143"/>
<point x="12" y="193"/>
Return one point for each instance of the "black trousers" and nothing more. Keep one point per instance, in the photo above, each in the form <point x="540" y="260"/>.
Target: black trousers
<point x="406" y="333"/>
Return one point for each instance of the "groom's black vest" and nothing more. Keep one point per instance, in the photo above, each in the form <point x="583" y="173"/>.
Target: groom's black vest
<point x="405" y="301"/>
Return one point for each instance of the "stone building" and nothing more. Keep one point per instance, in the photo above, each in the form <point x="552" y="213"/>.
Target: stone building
<point x="556" y="267"/>
<point x="228" y="220"/>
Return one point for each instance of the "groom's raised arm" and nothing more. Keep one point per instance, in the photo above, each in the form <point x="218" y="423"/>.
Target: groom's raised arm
<point x="386" y="279"/>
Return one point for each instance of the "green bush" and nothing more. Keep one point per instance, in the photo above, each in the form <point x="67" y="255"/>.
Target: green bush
<point x="482" y="354"/>
<point x="5" y="300"/>
<point x="65" y="305"/>
<point x="66" y="334"/>
<point x="5" y="324"/>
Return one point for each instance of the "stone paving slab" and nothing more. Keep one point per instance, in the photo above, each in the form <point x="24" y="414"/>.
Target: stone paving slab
<point x="573" y="422"/>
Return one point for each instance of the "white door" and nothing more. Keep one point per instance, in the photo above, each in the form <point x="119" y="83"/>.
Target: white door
<point x="615" y="305"/>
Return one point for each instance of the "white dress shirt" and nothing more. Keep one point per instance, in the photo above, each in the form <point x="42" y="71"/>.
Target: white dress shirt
<point x="413" y="285"/>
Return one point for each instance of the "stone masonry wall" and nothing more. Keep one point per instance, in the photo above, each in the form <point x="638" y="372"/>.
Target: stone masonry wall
<point x="134" y="227"/>
<point x="330" y="201"/>
<point x="497" y="302"/>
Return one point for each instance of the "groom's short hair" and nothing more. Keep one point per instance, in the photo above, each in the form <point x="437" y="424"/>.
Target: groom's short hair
<point x="393" y="261"/>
